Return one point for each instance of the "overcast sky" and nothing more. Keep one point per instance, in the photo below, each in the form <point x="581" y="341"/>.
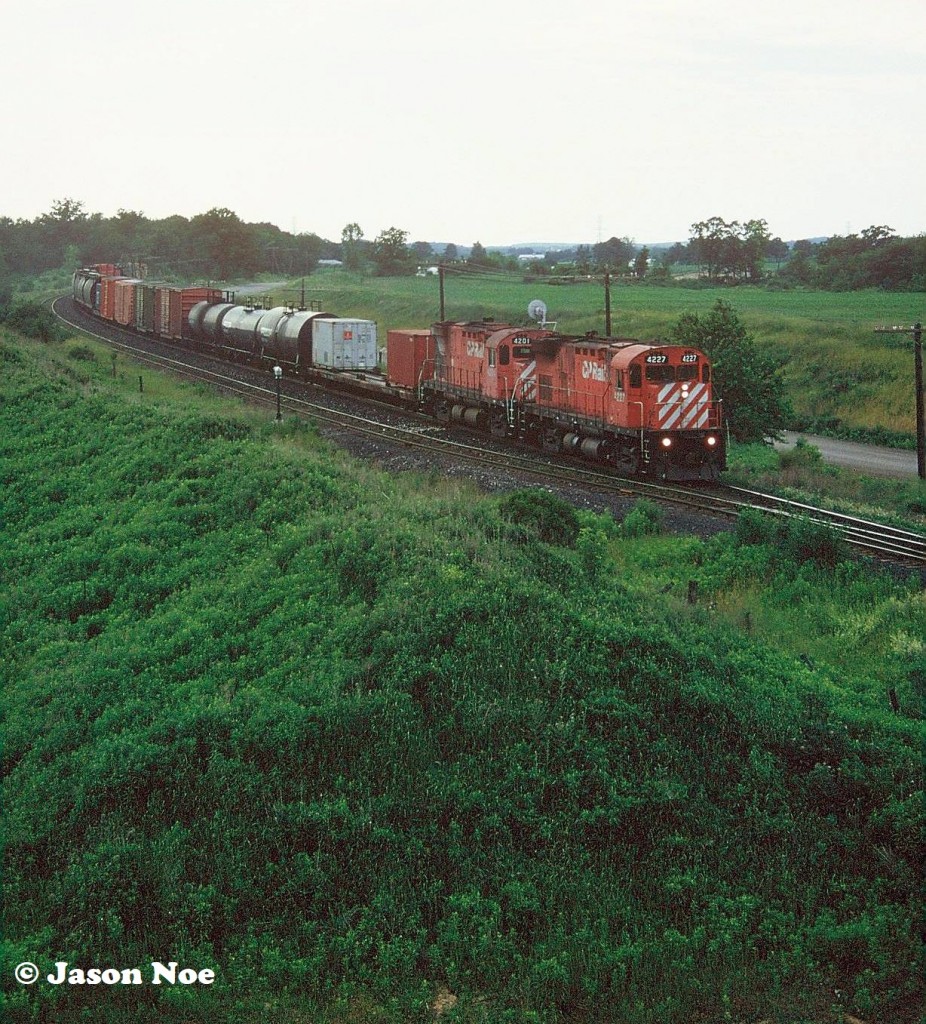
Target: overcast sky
<point x="494" y="120"/>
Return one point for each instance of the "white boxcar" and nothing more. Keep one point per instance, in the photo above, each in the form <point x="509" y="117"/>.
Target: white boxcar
<point x="342" y="344"/>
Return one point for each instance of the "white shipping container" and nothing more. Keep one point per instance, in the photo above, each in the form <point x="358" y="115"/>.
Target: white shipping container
<point x="342" y="344"/>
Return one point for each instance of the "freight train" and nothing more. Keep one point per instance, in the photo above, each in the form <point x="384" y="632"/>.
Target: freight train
<point x="643" y="408"/>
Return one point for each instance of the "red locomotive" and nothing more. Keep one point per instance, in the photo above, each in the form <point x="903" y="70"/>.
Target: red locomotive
<point x="641" y="408"/>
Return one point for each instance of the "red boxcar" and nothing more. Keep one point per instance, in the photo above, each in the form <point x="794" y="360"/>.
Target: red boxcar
<point x="108" y="297"/>
<point x="168" y="312"/>
<point x="125" y="300"/>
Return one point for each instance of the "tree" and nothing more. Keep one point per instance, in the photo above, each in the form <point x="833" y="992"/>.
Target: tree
<point x="66" y="211"/>
<point x="583" y="259"/>
<point x="613" y="255"/>
<point x="730" y="250"/>
<point x="745" y="379"/>
<point x="390" y="252"/>
<point x="641" y="263"/>
<point x="61" y="228"/>
<point x="225" y="243"/>
<point x="478" y="255"/>
<point x="708" y="241"/>
<point x="451" y="252"/>
<point x="423" y="252"/>
<point x="351" y="252"/>
<point x="778" y="251"/>
<point x="754" y="242"/>
<point x="678" y="253"/>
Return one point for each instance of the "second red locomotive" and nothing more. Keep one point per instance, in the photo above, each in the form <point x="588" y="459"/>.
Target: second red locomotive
<point x="639" y="407"/>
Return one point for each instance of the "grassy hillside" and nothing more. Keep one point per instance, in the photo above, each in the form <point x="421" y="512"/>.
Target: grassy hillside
<point x="360" y="743"/>
<point x="838" y="372"/>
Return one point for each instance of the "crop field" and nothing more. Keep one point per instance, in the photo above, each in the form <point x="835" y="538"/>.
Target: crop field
<point x="372" y="746"/>
<point x="839" y="374"/>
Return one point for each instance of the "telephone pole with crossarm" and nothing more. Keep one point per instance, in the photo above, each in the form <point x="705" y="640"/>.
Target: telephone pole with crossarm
<point x="917" y="331"/>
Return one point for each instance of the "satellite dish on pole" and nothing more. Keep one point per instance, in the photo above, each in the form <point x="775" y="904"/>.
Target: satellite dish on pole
<point x="537" y="310"/>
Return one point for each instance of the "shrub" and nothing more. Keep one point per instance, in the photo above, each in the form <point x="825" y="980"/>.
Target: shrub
<point x="804" y="540"/>
<point x="82" y="353"/>
<point x="798" y="539"/>
<point x="550" y="518"/>
<point x="754" y="527"/>
<point x="643" y="520"/>
<point x="35" y="321"/>
<point x="802" y="454"/>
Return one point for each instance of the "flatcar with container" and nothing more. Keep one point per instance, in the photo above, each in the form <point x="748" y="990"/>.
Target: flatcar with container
<point x="640" y="408"/>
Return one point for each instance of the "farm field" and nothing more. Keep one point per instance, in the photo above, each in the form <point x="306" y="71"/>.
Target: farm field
<point x="838" y="373"/>
<point x="367" y="745"/>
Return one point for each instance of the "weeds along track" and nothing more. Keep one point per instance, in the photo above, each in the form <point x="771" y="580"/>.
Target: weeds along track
<point x="386" y="423"/>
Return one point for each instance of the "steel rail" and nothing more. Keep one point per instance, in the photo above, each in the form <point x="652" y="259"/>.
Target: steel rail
<point x="878" y="538"/>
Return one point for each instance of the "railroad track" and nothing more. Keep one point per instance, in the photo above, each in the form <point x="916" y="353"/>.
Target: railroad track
<point x="876" y="538"/>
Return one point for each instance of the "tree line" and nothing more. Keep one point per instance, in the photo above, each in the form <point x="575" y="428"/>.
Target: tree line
<point x="218" y="245"/>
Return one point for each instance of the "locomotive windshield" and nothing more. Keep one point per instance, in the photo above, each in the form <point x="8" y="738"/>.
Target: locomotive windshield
<point x="665" y="372"/>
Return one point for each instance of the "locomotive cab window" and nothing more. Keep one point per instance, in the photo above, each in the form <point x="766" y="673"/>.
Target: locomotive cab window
<point x="504" y="355"/>
<point x="660" y="372"/>
<point x="706" y="373"/>
<point x="636" y="376"/>
<point x="521" y="352"/>
<point x="491" y="357"/>
<point x="688" y="373"/>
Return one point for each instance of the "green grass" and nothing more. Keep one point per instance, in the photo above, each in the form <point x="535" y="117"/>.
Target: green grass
<point x="355" y="739"/>
<point x="839" y="374"/>
<point x="800" y="475"/>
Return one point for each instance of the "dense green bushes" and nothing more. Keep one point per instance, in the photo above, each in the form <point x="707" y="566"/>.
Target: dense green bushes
<point x="33" y="319"/>
<point x="327" y="737"/>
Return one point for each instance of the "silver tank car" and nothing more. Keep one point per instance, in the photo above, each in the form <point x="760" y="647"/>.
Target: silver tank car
<point x="211" y="327"/>
<point x="266" y="333"/>
<point x="86" y="289"/>
<point x="293" y="336"/>
<point x="195" y="317"/>
<point x="240" y="329"/>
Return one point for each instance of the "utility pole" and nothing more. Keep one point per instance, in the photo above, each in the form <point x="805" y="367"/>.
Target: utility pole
<point x="440" y="278"/>
<point x="607" y="305"/>
<point x="917" y="331"/>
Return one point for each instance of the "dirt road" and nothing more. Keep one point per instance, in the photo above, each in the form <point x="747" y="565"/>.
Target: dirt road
<point x="866" y="458"/>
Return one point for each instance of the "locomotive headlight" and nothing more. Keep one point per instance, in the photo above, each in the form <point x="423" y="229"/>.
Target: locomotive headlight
<point x="667" y="442"/>
<point x="711" y="441"/>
